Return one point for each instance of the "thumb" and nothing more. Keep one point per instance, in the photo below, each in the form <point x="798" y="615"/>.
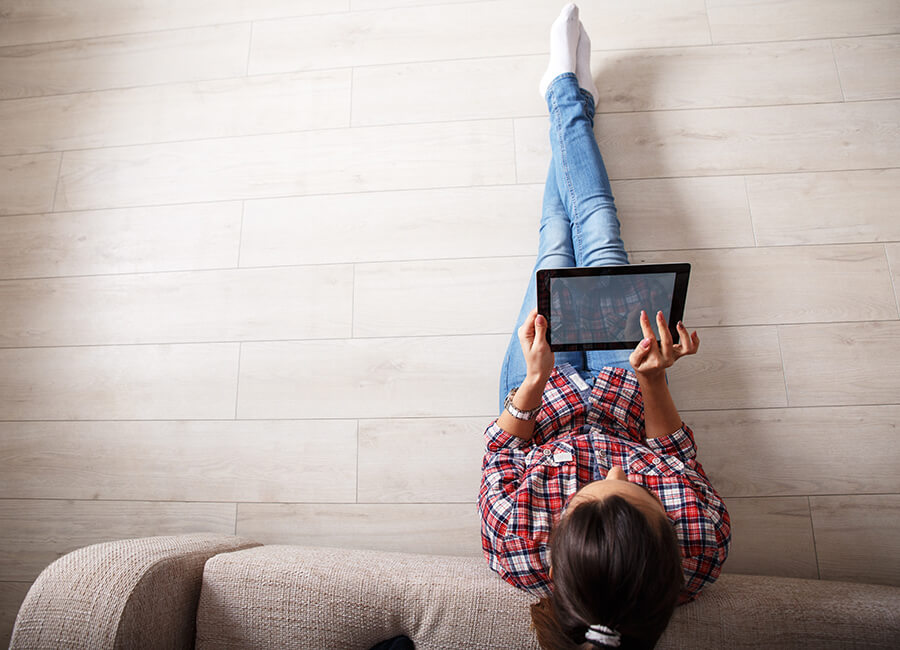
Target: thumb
<point x="540" y="327"/>
<point x="640" y="352"/>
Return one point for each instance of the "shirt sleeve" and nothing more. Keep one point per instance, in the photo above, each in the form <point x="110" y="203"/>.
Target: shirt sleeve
<point x="710" y="535"/>
<point x="518" y="560"/>
<point x="679" y="444"/>
<point x="617" y="406"/>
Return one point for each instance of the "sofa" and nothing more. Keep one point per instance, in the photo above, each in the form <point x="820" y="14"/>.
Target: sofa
<point x="215" y="591"/>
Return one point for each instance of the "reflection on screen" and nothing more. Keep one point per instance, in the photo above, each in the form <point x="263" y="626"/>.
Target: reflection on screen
<point x="594" y="309"/>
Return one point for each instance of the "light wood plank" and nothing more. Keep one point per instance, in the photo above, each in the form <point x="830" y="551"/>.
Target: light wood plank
<point x="471" y="296"/>
<point x="869" y="67"/>
<point x="391" y="453"/>
<point x="371" y="378"/>
<point x="434" y="33"/>
<point x="845" y="363"/>
<point x="678" y="213"/>
<point x="633" y="80"/>
<point x="825" y="208"/>
<point x="462" y="222"/>
<point x="857" y="537"/>
<point x="748" y="286"/>
<point x="188" y="307"/>
<point x="132" y="240"/>
<point x="12" y="595"/>
<point x="27" y="183"/>
<point x="771" y="537"/>
<point x="434" y="529"/>
<point x="735" y="367"/>
<point x="262" y="460"/>
<point x="469" y="222"/>
<point x="448" y="90"/>
<point x="366" y="5"/>
<point x="124" y="382"/>
<point x="778" y="20"/>
<point x="893" y="255"/>
<point x="816" y="137"/>
<point x="124" y="61"/>
<point x="35" y="533"/>
<point x="316" y="162"/>
<point x="716" y="76"/>
<point x="25" y="21"/>
<point x="194" y="110"/>
<point x="798" y="451"/>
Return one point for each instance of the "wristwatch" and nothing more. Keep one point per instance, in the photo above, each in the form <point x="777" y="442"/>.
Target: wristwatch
<point x="517" y="413"/>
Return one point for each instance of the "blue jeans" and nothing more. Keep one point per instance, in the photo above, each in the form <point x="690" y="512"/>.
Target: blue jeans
<point x="579" y="226"/>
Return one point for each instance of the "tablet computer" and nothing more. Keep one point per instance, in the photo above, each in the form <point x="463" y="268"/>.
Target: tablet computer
<point x="599" y="307"/>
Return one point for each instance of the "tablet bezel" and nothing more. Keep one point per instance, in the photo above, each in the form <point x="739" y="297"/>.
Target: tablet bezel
<point x="682" y="273"/>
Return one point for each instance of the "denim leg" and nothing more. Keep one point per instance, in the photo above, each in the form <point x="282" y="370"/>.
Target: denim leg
<point x="554" y="251"/>
<point x="585" y="191"/>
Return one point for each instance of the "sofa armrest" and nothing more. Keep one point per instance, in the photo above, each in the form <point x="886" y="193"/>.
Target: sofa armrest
<point x="133" y="593"/>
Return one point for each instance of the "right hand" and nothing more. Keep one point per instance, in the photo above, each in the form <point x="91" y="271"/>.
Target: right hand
<point x="539" y="358"/>
<point x="650" y="360"/>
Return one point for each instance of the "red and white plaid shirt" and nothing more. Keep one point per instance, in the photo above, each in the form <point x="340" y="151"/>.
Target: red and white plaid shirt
<point x="580" y="434"/>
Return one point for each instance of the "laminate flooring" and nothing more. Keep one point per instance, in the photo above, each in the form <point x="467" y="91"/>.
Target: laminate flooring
<point x="260" y="261"/>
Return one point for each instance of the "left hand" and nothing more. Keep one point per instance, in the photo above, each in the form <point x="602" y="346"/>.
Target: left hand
<point x="539" y="358"/>
<point x="650" y="360"/>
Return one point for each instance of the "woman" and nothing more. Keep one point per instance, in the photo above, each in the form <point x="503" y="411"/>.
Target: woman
<point x="591" y="496"/>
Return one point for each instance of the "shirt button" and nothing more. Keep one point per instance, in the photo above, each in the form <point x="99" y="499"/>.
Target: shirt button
<point x="547" y="452"/>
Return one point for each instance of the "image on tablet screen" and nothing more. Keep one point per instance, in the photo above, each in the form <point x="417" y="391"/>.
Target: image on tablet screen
<point x="607" y="307"/>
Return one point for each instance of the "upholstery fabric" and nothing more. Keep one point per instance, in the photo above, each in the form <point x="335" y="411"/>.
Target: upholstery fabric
<point x="137" y="593"/>
<point x="744" y="611"/>
<point x="300" y="597"/>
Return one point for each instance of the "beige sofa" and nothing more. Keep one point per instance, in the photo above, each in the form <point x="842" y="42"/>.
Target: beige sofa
<point x="219" y="592"/>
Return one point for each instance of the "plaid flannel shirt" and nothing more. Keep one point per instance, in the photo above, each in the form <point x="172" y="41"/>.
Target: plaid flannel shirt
<point x="580" y="433"/>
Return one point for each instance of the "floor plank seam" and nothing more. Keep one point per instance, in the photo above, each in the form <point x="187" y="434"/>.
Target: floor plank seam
<point x="249" y="51"/>
<point x="467" y="120"/>
<point x="237" y="389"/>
<point x="812" y="528"/>
<point x="58" y="181"/>
<point x="787" y="394"/>
<point x="750" y="215"/>
<point x="424" y="260"/>
<point x="611" y="51"/>
<point x="219" y="342"/>
<point x="893" y="281"/>
<point x="437" y="188"/>
<point x="837" y="70"/>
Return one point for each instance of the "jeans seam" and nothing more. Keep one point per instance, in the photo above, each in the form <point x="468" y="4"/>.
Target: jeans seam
<point x="578" y="244"/>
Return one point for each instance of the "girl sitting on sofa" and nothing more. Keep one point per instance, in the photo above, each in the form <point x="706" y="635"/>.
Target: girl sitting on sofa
<point x="591" y="495"/>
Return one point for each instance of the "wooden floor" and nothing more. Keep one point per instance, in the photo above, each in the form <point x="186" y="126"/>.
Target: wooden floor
<point x="259" y="263"/>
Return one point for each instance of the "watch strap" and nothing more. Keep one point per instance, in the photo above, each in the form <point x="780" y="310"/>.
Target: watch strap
<point x="519" y="414"/>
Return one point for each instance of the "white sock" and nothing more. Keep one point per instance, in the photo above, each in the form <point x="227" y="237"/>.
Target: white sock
<point x="563" y="46"/>
<point x="583" y="65"/>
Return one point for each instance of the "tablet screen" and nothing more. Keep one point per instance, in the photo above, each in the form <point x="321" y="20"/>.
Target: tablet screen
<point x="607" y="308"/>
<point x="600" y="307"/>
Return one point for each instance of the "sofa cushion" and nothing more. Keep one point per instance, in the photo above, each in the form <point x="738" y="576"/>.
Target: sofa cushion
<point x="304" y="597"/>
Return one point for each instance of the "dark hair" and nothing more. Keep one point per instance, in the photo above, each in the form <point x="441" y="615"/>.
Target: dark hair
<point x="614" y="566"/>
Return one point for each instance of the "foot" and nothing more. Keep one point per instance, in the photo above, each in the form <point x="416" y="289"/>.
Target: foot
<point x="564" y="35"/>
<point x="583" y="65"/>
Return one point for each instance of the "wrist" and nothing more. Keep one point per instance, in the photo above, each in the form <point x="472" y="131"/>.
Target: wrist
<point x="530" y="393"/>
<point x="651" y="380"/>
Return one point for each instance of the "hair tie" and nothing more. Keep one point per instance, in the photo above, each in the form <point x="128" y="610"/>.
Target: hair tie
<point x="604" y="635"/>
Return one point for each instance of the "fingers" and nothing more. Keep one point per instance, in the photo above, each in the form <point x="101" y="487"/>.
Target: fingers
<point x="645" y="327"/>
<point x="687" y="343"/>
<point x="665" y="337"/>
<point x="640" y="354"/>
<point x="526" y="331"/>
